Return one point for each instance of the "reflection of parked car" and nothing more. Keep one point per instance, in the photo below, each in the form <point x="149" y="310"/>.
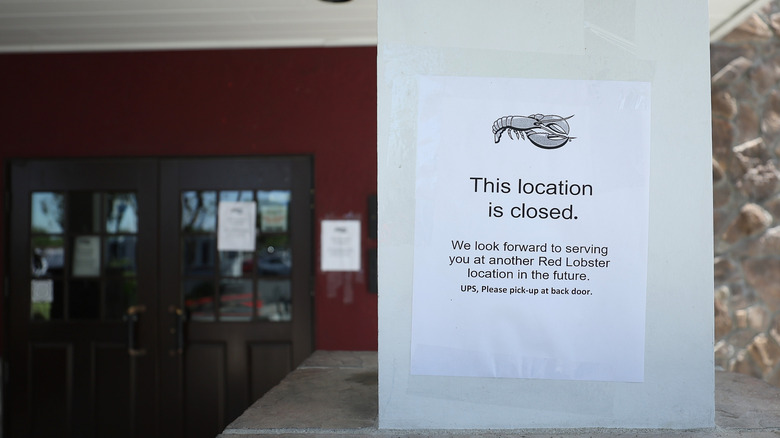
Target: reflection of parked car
<point x="274" y="264"/>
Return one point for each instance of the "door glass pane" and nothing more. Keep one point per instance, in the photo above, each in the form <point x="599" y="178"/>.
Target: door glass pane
<point x="272" y="210"/>
<point x="46" y="302"/>
<point x="48" y="212"/>
<point x="84" y="212"/>
<point x="199" y="211"/>
<point x="121" y="293"/>
<point x="275" y="300"/>
<point x="236" y="195"/>
<point x="121" y="213"/>
<point x="47" y="252"/>
<point x="236" y="299"/>
<point x="235" y="263"/>
<point x="198" y="256"/>
<point x="199" y="300"/>
<point x="84" y="299"/>
<point x="48" y="255"/>
<point x="274" y="256"/>
<point x="120" y="255"/>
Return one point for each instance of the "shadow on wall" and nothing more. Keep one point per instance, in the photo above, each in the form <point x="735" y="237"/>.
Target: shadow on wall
<point x="746" y="195"/>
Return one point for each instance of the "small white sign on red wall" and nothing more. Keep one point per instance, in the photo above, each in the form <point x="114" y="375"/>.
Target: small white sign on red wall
<point x="340" y="245"/>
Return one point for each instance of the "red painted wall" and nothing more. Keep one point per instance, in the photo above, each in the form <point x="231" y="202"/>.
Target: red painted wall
<point x="320" y="102"/>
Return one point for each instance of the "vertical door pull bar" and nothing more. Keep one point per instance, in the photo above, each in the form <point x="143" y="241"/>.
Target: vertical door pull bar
<point x="131" y="318"/>
<point x="177" y="330"/>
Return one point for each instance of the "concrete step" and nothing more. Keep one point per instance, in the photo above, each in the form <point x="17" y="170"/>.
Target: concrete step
<point x="334" y="393"/>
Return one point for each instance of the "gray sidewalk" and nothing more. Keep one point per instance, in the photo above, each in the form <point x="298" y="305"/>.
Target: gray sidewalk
<point x="335" y="394"/>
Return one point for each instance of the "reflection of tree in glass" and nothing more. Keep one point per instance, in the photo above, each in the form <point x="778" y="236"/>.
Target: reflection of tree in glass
<point x="48" y="210"/>
<point x="122" y="213"/>
<point x="235" y="195"/>
<point x="198" y="211"/>
<point x="120" y="254"/>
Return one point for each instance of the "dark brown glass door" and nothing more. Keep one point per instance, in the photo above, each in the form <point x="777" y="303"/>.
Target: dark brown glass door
<point x="153" y="297"/>
<point x="79" y="365"/>
<point x="244" y="300"/>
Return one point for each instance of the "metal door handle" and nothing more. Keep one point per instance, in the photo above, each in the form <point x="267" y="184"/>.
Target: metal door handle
<point x="132" y="323"/>
<point x="177" y="330"/>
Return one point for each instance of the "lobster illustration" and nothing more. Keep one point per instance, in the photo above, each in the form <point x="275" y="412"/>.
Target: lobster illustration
<point x="546" y="132"/>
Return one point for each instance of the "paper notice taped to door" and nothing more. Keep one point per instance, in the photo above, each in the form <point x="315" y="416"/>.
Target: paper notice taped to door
<point x="86" y="256"/>
<point x="236" y="231"/>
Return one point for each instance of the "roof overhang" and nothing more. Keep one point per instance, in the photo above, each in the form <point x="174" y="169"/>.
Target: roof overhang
<point x="725" y="15"/>
<point x="84" y="25"/>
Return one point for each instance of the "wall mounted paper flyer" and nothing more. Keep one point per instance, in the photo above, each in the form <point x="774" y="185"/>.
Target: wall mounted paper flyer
<point x="340" y="245"/>
<point x="236" y="231"/>
<point x="531" y="222"/>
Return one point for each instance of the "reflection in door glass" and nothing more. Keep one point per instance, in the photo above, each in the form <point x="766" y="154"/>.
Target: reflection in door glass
<point x="48" y="255"/>
<point x="272" y="210"/>
<point x="236" y="299"/>
<point x="274" y="300"/>
<point x="121" y="213"/>
<point x="274" y="257"/>
<point x="236" y="195"/>
<point x="120" y="254"/>
<point x="199" y="211"/>
<point x="48" y="212"/>
<point x="235" y="263"/>
<point x="83" y="255"/>
<point x="199" y="253"/>
<point x="199" y="300"/>
<point x="46" y="303"/>
<point x="251" y="284"/>
<point x="121" y="293"/>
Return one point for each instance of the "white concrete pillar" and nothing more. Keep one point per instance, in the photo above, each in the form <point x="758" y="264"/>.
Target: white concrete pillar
<point x="661" y="42"/>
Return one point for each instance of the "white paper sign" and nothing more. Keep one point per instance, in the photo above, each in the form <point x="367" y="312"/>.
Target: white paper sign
<point x="42" y="291"/>
<point x="274" y="218"/>
<point x="236" y="231"/>
<point x="86" y="256"/>
<point x="531" y="222"/>
<point x="340" y="244"/>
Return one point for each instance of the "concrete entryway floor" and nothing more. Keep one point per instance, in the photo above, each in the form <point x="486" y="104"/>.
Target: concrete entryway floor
<point x="335" y="394"/>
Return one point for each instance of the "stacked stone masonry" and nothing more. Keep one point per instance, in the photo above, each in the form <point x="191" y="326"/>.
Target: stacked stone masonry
<point x="745" y="68"/>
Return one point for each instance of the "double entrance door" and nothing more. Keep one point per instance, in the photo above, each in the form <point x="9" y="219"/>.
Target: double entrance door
<point x="153" y="297"/>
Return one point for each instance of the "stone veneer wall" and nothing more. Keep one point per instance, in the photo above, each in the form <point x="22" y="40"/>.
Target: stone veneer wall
<point x="745" y="68"/>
